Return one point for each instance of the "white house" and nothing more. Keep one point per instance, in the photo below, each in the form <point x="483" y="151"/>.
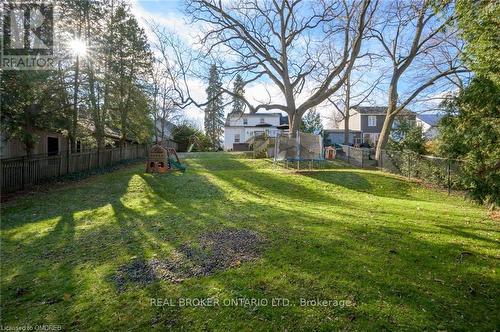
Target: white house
<point x="242" y="127"/>
<point x="429" y="123"/>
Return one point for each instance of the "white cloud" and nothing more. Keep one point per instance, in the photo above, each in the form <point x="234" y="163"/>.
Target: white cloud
<point x="173" y="21"/>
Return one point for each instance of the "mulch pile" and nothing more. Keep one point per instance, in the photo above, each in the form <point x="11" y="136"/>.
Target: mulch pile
<point x="214" y="251"/>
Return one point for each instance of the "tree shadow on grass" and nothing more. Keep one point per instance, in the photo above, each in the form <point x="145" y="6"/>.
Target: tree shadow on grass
<point x="40" y="268"/>
<point x="395" y="276"/>
<point x="266" y="183"/>
<point x="397" y="279"/>
<point x="470" y="233"/>
<point x="393" y="273"/>
<point x="39" y="273"/>
<point x="376" y="184"/>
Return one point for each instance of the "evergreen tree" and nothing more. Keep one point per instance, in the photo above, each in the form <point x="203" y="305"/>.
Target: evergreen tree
<point x="311" y="123"/>
<point x="238" y="90"/>
<point x="478" y="22"/>
<point x="214" y="112"/>
<point x="470" y="132"/>
<point x="407" y="136"/>
<point x="131" y="61"/>
<point x="471" y="129"/>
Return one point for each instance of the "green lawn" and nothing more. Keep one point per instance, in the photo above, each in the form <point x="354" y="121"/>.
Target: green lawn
<point x="406" y="257"/>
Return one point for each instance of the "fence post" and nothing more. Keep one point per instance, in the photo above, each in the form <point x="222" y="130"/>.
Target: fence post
<point x="448" y="173"/>
<point x="409" y="166"/>
<point x="67" y="162"/>
<point x="23" y="179"/>
<point x="60" y="165"/>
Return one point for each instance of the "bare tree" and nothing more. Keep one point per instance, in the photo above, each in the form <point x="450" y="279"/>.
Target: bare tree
<point x="305" y="48"/>
<point x="175" y="62"/>
<point x="163" y="101"/>
<point x="417" y="40"/>
<point x="354" y="92"/>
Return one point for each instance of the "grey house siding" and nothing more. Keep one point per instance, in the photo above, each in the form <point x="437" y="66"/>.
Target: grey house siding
<point x="338" y="138"/>
<point x="376" y="129"/>
<point x="380" y="122"/>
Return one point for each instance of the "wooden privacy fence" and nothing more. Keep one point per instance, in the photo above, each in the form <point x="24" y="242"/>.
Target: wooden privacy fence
<point x="20" y="173"/>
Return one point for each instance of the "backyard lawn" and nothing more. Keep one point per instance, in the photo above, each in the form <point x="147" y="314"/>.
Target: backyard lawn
<point x="386" y="253"/>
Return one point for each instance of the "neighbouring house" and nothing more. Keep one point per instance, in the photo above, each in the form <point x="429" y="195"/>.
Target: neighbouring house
<point x="47" y="142"/>
<point x="241" y="128"/>
<point x="112" y="136"/>
<point x="53" y="142"/>
<point x="164" y="133"/>
<point x="336" y="136"/>
<point x="429" y="123"/>
<point x="365" y="124"/>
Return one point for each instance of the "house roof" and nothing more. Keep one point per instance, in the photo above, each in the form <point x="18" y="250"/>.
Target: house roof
<point x="254" y="114"/>
<point x="430" y="119"/>
<point x="167" y="124"/>
<point x="240" y="115"/>
<point x="87" y="124"/>
<point x="370" y="109"/>
<point x="374" y="110"/>
<point x="326" y="131"/>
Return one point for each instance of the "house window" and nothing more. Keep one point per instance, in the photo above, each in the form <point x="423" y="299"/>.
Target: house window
<point x="372" y="121"/>
<point x="245" y="121"/>
<point x="236" y="138"/>
<point x="262" y="120"/>
<point x="52" y="146"/>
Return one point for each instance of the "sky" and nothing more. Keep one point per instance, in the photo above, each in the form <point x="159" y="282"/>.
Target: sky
<point x="169" y="14"/>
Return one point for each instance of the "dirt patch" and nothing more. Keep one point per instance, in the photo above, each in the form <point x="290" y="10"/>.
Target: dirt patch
<point x="214" y="251"/>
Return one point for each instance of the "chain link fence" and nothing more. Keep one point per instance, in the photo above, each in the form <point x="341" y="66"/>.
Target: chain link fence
<point x="442" y="172"/>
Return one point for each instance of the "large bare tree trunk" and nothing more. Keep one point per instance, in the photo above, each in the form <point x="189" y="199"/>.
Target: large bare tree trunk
<point x="390" y="115"/>
<point x="346" y="127"/>
<point x="267" y="35"/>
<point x="431" y="30"/>
<point x="347" y="106"/>
<point x="384" y="135"/>
<point x="294" y="120"/>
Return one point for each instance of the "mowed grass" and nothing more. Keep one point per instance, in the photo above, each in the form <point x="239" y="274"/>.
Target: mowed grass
<point x="406" y="257"/>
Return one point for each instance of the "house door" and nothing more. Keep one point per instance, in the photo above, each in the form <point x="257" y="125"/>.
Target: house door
<point x="52" y="146"/>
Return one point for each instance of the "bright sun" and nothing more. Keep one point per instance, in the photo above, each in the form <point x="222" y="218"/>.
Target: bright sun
<point x="78" y="47"/>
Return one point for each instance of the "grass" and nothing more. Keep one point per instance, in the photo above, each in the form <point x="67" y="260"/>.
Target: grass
<point x="406" y="257"/>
